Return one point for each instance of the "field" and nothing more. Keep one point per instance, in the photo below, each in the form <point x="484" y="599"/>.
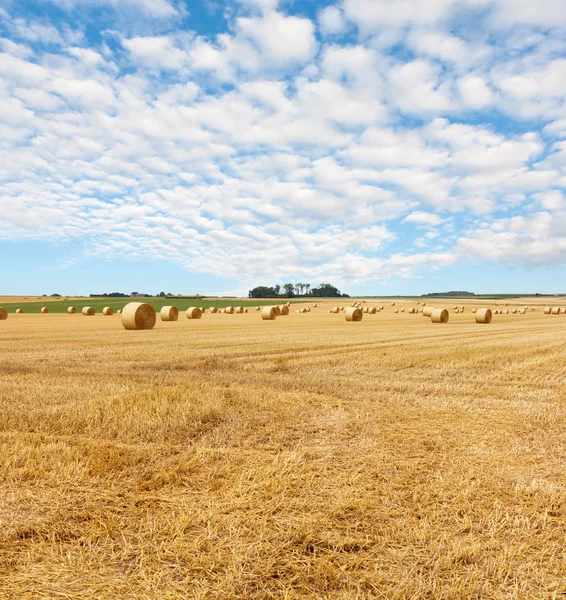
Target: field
<point x="301" y="458"/>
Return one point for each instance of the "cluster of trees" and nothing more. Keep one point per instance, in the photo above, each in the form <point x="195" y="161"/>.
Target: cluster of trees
<point x="453" y="293"/>
<point x="293" y="290"/>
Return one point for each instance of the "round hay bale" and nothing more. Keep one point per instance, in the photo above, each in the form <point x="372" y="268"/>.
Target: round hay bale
<point x="522" y="311"/>
<point x="555" y="310"/>
<point x="308" y="309"/>
<point x="3" y="314"/>
<point x="506" y="303"/>
<point x="119" y="311"/>
<point x="169" y="313"/>
<point x="336" y="309"/>
<point x="71" y="310"/>
<point x="229" y="310"/>
<point x="421" y="310"/>
<point x="396" y="310"/>
<point x="365" y="309"/>
<point x="194" y="312"/>
<point x="342" y="308"/>
<point x="547" y="310"/>
<point x="203" y="309"/>
<point x="473" y="310"/>
<point x="402" y="310"/>
<point x="514" y="311"/>
<point x="284" y="309"/>
<point x="107" y="311"/>
<point x="455" y="308"/>
<point x="19" y="311"/>
<point x="353" y="314"/>
<point x="88" y="311"/>
<point x="393" y="304"/>
<point x="483" y="315"/>
<point x="440" y="315"/>
<point x="268" y="313"/>
<point x="461" y="309"/>
<point x="213" y="310"/>
<point x="372" y="310"/>
<point x="277" y="311"/>
<point x="315" y="305"/>
<point x="45" y="310"/>
<point x="381" y="307"/>
<point x="137" y="316"/>
<point x="246" y="310"/>
<point x="427" y="311"/>
<point x="457" y="311"/>
<point x="239" y="310"/>
<point x="505" y="312"/>
<point x="563" y="310"/>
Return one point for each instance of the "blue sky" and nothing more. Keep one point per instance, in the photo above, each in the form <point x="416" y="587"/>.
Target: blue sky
<point x="385" y="146"/>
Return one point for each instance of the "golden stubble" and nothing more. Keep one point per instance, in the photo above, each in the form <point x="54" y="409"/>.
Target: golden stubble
<point x="306" y="457"/>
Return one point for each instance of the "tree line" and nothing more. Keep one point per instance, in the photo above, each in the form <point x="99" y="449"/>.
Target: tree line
<point x="294" y="290"/>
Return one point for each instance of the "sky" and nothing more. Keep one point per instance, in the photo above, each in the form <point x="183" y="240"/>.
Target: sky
<point x="206" y="146"/>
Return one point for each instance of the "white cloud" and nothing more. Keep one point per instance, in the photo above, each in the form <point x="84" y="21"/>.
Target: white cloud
<point x="156" y="52"/>
<point x="331" y="20"/>
<point x="423" y="218"/>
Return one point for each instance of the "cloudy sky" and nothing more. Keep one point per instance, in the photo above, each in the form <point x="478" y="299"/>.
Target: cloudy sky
<point x="384" y="146"/>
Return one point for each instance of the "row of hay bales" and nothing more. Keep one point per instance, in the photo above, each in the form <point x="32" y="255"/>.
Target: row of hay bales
<point x="555" y="310"/>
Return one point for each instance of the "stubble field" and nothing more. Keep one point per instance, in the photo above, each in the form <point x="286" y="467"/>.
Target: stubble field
<point x="301" y="458"/>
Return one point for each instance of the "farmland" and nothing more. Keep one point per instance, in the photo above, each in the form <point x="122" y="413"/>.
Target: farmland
<point x="308" y="457"/>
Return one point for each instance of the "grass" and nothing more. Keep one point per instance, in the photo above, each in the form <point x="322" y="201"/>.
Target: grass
<point x="302" y="458"/>
<point x="60" y="306"/>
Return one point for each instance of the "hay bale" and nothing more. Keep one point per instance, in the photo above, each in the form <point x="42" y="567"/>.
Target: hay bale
<point x="372" y="310"/>
<point x="428" y="310"/>
<point x="3" y="314"/>
<point x="19" y="311"/>
<point x="119" y="311"/>
<point x="473" y="310"/>
<point x="137" y="316"/>
<point x="239" y="310"/>
<point x="246" y="310"/>
<point x="45" y="310"/>
<point x="269" y="313"/>
<point x="461" y="308"/>
<point x="381" y="307"/>
<point x="522" y="311"/>
<point x="505" y="312"/>
<point x="555" y="310"/>
<point x="483" y="315"/>
<point x="396" y="310"/>
<point x="194" y="312"/>
<point x="229" y="310"/>
<point x="547" y="310"/>
<point x="365" y="309"/>
<point x="402" y="310"/>
<point x="72" y="310"/>
<point x="563" y="310"/>
<point x="284" y="310"/>
<point x="336" y="309"/>
<point x="277" y="311"/>
<point x="107" y="311"/>
<point x="393" y="304"/>
<point x="213" y="310"/>
<point x="169" y="313"/>
<point x="88" y="311"/>
<point x="514" y="311"/>
<point x="440" y="315"/>
<point x="457" y="311"/>
<point x="315" y="305"/>
<point x="353" y="314"/>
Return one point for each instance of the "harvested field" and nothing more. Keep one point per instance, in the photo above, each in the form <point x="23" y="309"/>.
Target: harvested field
<point x="307" y="457"/>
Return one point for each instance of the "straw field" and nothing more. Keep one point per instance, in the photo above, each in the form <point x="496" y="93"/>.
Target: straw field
<point x="305" y="457"/>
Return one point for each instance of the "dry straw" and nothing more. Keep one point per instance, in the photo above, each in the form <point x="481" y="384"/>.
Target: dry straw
<point x="239" y="310"/>
<point x="169" y="313"/>
<point x="194" y="312"/>
<point x="229" y="310"/>
<point x="19" y="311"/>
<point x="555" y="310"/>
<point x="440" y="315"/>
<point x="88" y="311"/>
<point x="336" y="309"/>
<point x="428" y="310"/>
<point x="119" y="311"/>
<point x="396" y="310"/>
<point x="137" y="315"/>
<point x="563" y="310"/>
<point x="107" y="311"/>
<point x="269" y="313"/>
<point x="45" y="310"/>
<point x="314" y="305"/>
<point x="402" y="310"/>
<point x="213" y="310"/>
<point x="354" y="314"/>
<point x="483" y="315"/>
<point x="372" y="310"/>
<point x="72" y="310"/>
<point x="473" y="310"/>
<point x="3" y="314"/>
<point x="547" y="310"/>
<point x="284" y="310"/>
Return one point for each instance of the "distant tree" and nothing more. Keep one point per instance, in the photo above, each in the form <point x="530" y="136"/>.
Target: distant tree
<point x="326" y="290"/>
<point x="262" y="291"/>
<point x="299" y="289"/>
<point x="56" y="295"/>
<point x="162" y="294"/>
<point x="277" y="289"/>
<point x="307" y="288"/>
<point x="288" y="287"/>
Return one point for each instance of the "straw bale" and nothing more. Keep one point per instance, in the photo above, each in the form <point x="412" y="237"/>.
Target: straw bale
<point x="336" y="309"/>
<point x="427" y="311"/>
<point x="284" y="310"/>
<point x="269" y="313"/>
<point x="71" y="310"/>
<point x="213" y="310"/>
<point x="354" y="314"/>
<point x="473" y="310"/>
<point x="119" y="311"/>
<point x="372" y="310"/>
<point x="229" y="310"/>
<point x="45" y="310"/>
<point x="88" y="311"/>
<point x="194" y="312"/>
<point x="365" y="309"/>
<point x="440" y="315"/>
<point x="563" y="310"/>
<point x="555" y="310"/>
<point x="547" y="310"/>
<point x="402" y="310"/>
<point x="19" y="311"/>
<point x="396" y="310"/>
<point x="483" y="315"/>
<point x="169" y="313"/>
<point x="3" y="314"/>
<point x="137" y="315"/>
<point x="107" y="311"/>
<point x="239" y="310"/>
